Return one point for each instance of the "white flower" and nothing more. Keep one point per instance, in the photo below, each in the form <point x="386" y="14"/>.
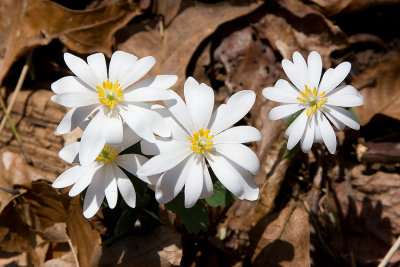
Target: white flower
<point x="113" y="97"/>
<point x="103" y="176"/>
<point x="320" y="101"/>
<point x="197" y="136"/>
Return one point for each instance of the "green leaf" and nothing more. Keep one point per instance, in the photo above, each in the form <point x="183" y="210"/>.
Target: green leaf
<point x="194" y="218"/>
<point x="291" y="153"/>
<point x="221" y="197"/>
<point x="293" y="117"/>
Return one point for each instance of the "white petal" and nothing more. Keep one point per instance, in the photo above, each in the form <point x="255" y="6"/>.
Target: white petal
<point x="75" y="117"/>
<point x="251" y="190"/>
<point x="180" y="111"/>
<point x="284" y="111"/>
<point x="235" y="109"/>
<point x="164" y="161"/>
<point x="349" y="100"/>
<point x="85" y="179"/>
<point x="159" y="81"/>
<point x="129" y="137"/>
<point x="279" y="95"/>
<point x="327" y="133"/>
<point x="146" y="94"/>
<point x="94" y="195"/>
<point x="161" y="145"/>
<point x="297" y="76"/>
<point x="137" y="123"/>
<point x="120" y="63"/>
<point x="344" y="90"/>
<point x="113" y="129"/>
<point x="131" y="163"/>
<point x="73" y="100"/>
<point x="68" y="177"/>
<point x="301" y="67"/>
<point x="343" y="116"/>
<point x="208" y="188"/>
<point x="92" y="140"/>
<point x="97" y="63"/>
<point x="141" y="67"/>
<point x="110" y="184"/>
<point x="200" y="102"/>
<point x="314" y="69"/>
<point x="178" y="132"/>
<point x="338" y="124"/>
<point x="172" y="181"/>
<point x="239" y="134"/>
<point x="335" y="77"/>
<point x="296" y="130"/>
<point x="227" y="175"/>
<point x="307" y="139"/>
<point x="317" y="134"/>
<point x="79" y="67"/>
<point x="70" y="84"/>
<point x="125" y="187"/>
<point x="69" y="153"/>
<point x="160" y="126"/>
<point x="194" y="182"/>
<point x="241" y="155"/>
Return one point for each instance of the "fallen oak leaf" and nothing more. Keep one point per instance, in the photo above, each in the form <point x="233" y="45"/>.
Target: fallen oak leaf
<point x="28" y="24"/>
<point x="380" y="88"/>
<point x="282" y="239"/>
<point x="174" y="52"/>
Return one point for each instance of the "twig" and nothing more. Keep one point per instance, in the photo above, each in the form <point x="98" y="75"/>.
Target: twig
<point x="20" y="82"/>
<point x="390" y="253"/>
<point x="15" y="132"/>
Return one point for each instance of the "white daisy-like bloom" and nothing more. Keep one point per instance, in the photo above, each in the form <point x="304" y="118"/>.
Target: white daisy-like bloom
<point x="200" y="136"/>
<point x="321" y="101"/>
<point x="103" y="176"/>
<point x="113" y="98"/>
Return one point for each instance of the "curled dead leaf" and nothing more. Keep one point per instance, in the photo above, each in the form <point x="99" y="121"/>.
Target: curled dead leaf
<point x="380" y="87"/>
<point x="282" y="239"/>
<point x="27" y="24"/>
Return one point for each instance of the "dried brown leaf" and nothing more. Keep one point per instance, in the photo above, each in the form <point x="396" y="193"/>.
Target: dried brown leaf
<point x="303" y="29"/>
<point x="380" y="87"/>
<point x="24" y="221"/>
<point x="27" y="24"/>
<point x="168" y="9"/>
<point x="371" y="213"/>
<point x="162" y="247"/>
<point x="333" y="7"/>
<point x="174" y="52"/>
<point x="282" y="239"/>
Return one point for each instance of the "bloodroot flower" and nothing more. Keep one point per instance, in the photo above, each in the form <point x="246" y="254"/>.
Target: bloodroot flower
<point x="200" y="137"/>
<point x="321" y="101"/>
<point x="103" y="176"/>
<point x="113" y="98"/>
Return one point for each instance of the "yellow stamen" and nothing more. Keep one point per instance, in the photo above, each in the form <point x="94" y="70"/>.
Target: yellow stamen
<point x="110" y="94"/>
<point x="108" y="154"/>
<point x="312" y="99"/>
<point x="301" y="99"/>
<point x="201" y="142"/>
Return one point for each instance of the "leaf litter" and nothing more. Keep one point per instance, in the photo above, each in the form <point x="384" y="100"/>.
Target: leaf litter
<point x="314" y="209"/>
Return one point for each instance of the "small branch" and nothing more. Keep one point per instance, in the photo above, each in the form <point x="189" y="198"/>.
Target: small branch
<point x="15" y="132"/>
<point x="390" y="253"/>
<point x="20" y="82"/>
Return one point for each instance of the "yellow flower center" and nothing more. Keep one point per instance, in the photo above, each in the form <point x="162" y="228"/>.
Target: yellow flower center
<point x="201" y="141"/>
<point x="313" y="99"/>
<point x="108" y="154"/>
<point x="110" y="93"/>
